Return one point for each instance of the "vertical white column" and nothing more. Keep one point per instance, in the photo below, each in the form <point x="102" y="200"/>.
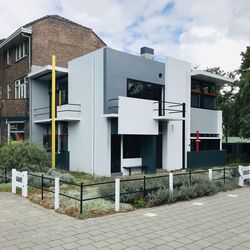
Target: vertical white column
<point x="13" y="180"/>
<point x="57" y="191"/>
<point x="24" y="183"/>
<point x="171" y="182"/>
<point x="210" y="174"/>
<point x="117" y="194"/>
<point x="241" y="177"/>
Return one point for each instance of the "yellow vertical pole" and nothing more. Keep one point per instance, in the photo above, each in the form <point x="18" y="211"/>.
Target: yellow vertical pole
<point x="53" y="114"/>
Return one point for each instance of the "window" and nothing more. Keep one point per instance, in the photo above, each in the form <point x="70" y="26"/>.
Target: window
<point x="144" y="90"/>
<point x="8" y="62"/>
<point x="203" y="95"/>
<point x="21" y="88"/>
<point x="16" y="131"/>
<point x="21" y="51"/>
<point x="8" y="90"/>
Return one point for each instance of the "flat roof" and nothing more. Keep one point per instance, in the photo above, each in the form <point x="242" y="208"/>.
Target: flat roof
<point x="45" y="73"/>
<point x="210" y="77"/>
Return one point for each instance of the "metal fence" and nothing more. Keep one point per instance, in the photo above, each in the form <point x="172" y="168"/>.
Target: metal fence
<point x="167" y="181"/>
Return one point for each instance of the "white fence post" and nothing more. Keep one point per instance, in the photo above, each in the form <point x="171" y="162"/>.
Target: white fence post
<point x="241" y="178"/>
<point x="210" y="174"/>
<point x="13" y="181"/>
<point x="117" y="195"/>
<point x="171" y="182"/>
<point x="57" y="191"/>
<point x="25" y="183"/>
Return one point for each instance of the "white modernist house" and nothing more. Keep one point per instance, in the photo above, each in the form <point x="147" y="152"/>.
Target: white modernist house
<point x="118" y="112"/>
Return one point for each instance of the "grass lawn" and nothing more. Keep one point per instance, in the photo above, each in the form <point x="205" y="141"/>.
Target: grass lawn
<point x="236" y="139"/>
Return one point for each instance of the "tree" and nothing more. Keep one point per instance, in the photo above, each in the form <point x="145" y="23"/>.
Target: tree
<point x="226" y="100"/>
<point x="243" y="96"/>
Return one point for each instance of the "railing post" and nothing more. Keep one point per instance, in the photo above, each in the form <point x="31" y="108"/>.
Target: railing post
<point x="24" y="183"/>
<point x="13" y="181"/>
<point x="224" y="175"/>
<point x="171" y="182"/>
<point x="190" y="177"/>
<point x="210" y="174"/>
<point x="117" y="195"/>
<point x="42" y="186"/>
<point x="144" y="186"/>
<point x="241" y="178"/>
<point x="5" y="175"/>
<point x="81" y="198"/>
<point x="57" y="191"/>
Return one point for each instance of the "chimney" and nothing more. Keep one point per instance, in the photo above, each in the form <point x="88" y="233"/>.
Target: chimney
<point x="147" y="52"/>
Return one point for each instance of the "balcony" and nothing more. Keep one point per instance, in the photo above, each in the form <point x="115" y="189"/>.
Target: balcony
<point x="66" y="112"/>
<point x="141" y="116"/>
<point x="69" y="112"/>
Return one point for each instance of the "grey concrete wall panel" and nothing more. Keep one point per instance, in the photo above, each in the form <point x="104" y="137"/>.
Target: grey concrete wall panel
<point x="119" y="66"/>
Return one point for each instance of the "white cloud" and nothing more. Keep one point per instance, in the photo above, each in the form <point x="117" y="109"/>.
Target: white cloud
<point x="207" y="33"/>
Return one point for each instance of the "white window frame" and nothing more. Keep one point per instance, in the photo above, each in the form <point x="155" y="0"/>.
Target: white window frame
<point x="21" y="51"/>
<point x="8" y="90"/>
<point x="21" y="88"/>
<point x="16" y="132"/>
<point x="8" y="61"/>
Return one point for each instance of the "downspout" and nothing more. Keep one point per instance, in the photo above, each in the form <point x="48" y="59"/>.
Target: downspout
<point x="93" y="117"/>
<point x="30" y="100"/>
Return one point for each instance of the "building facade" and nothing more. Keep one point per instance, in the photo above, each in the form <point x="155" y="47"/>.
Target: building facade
<point x="127" y="113"/>
<point x="28" y="49"/>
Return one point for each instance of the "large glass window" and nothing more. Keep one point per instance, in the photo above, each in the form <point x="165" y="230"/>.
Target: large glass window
<point x="203" y="95"/>
<point x="16" y="131"/>
<point x="144" y="90"/>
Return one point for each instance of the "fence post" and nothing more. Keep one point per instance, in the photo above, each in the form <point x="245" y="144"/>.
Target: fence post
<point x="57" y="191"/>
<point x="13" y="181"/>
<point x="117" y="194"/>
<point x="24" y="183"/>
<point x="241" y="178"/>
<point x="210" y="174"/>
<point x="42" y="186"/>
<point x="5" y="175"/>
<point x="171" y="182"/>
<point x="224" y="175"/>
<point x="190" y="177"/>
<point x="144" y="186"/>
<point x="81" y="196"/>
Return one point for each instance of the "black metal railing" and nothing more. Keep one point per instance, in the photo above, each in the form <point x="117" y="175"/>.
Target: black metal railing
<point x="143" y="189"/>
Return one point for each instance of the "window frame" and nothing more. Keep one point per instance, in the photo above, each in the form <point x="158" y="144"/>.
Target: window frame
<point x="21" y="51"/>
<point x="21" y="88"/>
<point x="8" y="91"/>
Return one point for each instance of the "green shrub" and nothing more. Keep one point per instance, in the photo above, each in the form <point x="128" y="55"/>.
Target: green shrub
<point x="24" y="156"/>
<point x="36" y="181"/>
<point x="139" y="202"/>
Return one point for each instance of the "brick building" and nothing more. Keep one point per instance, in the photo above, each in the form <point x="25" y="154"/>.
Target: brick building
<point x="26" y="50"/>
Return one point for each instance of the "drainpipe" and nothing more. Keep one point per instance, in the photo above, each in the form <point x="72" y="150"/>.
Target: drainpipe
<point x="93" y="117"/>
<point x="29" y="70"/>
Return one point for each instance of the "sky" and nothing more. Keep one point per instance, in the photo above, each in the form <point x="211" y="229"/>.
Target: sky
<point x="207" y="33"/>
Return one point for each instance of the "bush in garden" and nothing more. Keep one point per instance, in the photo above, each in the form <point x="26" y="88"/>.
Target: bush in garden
<point x="36" y="181"/>
<point x="24" y="156"/>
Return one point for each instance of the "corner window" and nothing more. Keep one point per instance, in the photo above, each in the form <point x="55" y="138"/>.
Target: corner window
<point x="21" y="88"/>
<point x="21" y="51"/>
<point x="16" y="131"/>
<point x="8" y="90"/>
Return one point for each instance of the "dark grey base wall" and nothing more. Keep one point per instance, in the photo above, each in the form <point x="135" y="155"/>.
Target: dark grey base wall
<point x="207" y="158"/>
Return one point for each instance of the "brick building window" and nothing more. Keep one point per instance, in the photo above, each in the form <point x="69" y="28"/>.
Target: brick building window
<point x="21" y="88"/>
<point x="8" y="61"/>
<point x="8" y="90"/>
<point x="21" y="51"/>
<point x="16" y="131"/>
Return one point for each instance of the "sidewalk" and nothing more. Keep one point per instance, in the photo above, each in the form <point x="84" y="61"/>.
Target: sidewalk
<point x="218" y="222"/>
